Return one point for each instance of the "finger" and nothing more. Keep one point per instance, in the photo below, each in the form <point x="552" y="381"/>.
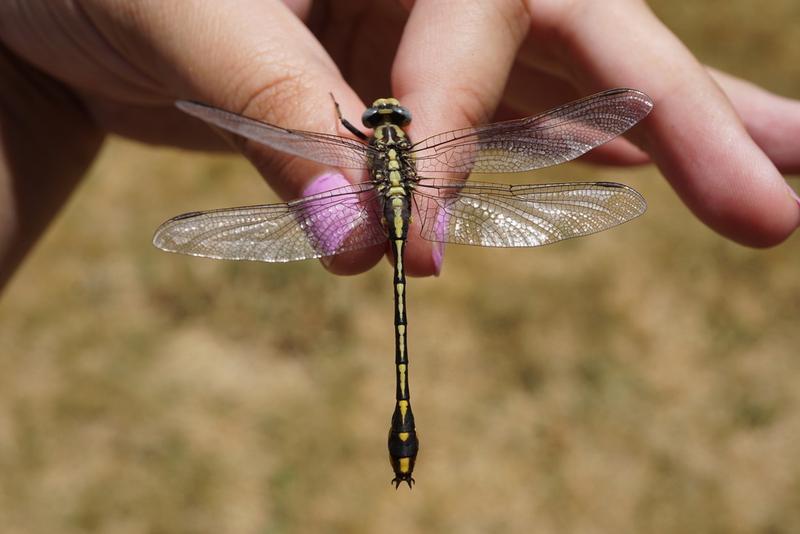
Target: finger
<point x="258" y="60"/>
<point x="693" y="135"/>
<point x="157" y="125"/>
<point x="530" y="91"/>
<point x="450" y="70"/>
<point x="771" y="120"/>
<point x="47" y="144"/>
<point x="618" y="151"/>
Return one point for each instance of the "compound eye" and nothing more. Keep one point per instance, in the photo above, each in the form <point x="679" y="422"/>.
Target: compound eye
<point x="371" y="118"/>
<point x="401" y="116"/>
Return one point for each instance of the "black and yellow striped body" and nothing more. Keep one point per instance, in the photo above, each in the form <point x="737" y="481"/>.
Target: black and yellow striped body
<point x="394" y="174"/>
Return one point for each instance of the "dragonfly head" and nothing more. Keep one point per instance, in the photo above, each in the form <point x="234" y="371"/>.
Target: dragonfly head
<point x="386" y="111"/>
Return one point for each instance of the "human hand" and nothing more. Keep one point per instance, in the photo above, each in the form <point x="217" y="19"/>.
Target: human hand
<point x="721" y="142"/>
<point x="455" y="64"/>
<point x="127" y="63"/>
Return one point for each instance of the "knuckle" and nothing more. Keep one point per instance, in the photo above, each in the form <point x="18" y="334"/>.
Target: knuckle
<point x="516" y="16"/>
<point x="279" y="98"/>
<point x="471" y="104"/>
<point x="550" y="16"/>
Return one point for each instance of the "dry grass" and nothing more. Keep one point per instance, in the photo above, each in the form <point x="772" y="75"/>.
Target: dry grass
<point x="642" y="380"/>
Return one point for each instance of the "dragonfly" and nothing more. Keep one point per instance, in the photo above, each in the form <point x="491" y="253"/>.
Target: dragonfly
<point x="427" y="175"/>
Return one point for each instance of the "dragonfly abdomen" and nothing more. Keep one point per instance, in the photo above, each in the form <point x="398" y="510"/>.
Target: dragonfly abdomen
<point x="403" y="442"/>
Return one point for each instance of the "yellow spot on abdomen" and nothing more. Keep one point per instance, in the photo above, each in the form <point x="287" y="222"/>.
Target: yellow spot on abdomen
<point x="400" y="288"/>
<point x="405" y="465"/>
<point x="397" y="204"/>
<point x="398" y="244"/>
<point x="401" y="368"/>
<point x="401" y="339"/>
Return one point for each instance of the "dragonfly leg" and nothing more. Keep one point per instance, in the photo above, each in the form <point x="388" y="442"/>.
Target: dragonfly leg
<point x="347" y="124"/>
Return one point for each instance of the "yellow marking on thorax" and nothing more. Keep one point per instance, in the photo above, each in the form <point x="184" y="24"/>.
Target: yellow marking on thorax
<point x="403" y="435"/>
<point x="405" y="465"/>
<point x="395" y="189"/>
<point x="401" y="368"/>
<point x="395" y="178"/>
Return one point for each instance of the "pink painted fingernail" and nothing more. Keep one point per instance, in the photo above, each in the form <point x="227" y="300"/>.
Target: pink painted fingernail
<point x="330" y="224"/>
<point x="438" y="257"/>
<point x="325" y="182"/>
<point x="440" y="231"/>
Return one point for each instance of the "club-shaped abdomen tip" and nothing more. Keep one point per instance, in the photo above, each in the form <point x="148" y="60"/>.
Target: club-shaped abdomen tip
<point x="403" y="449"/>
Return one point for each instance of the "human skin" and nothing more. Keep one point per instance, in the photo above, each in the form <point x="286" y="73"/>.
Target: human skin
<point x="73" y="71"/>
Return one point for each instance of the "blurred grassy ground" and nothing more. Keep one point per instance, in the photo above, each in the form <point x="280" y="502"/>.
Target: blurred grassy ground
<point x="642" y="380"/>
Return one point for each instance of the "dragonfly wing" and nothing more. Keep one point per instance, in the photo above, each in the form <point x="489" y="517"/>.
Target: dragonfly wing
<point x="497" y="215"/>
<point x="325" y="224"/>
<point x="556" y="136"/>
<point x="322" y="148"/>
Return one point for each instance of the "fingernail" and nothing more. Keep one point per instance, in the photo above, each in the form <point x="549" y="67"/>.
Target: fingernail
<point x="330" y="234"/>
<point x="793" y="193"/>
<point x="325" y="182"/>
<point x="440" y="231"/>
<point x="438" y="257"/>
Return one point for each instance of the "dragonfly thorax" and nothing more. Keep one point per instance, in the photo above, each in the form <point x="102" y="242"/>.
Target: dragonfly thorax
<point x="386" y="111"/>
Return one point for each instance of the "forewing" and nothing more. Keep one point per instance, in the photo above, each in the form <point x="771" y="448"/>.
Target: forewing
<point x="556" y="136"/>
<point x="497" y="215"/>
<point x="322" y="148"/>
<point x="325" y="224"/>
